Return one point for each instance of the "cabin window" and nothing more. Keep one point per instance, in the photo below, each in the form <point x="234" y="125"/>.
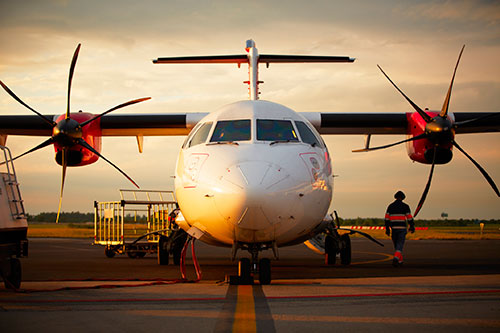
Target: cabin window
<point x="201" y="134"/>
<point x="307" y="134"/>
<point x="275" y="130"/>
<point x="231" y="130"/>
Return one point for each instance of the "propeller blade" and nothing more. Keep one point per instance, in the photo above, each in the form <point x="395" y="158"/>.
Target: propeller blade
<point x="446" y="104"/>
<point x="89" y="147"/>
<point x="64" y="156"/>
<point x="422" y="113"/>
<point x="11" y="93"/>
<point x="70" y="79"/>
<point x="427" y="187"/>
<point x="42" y="145"/>
<point x="418" y="137"/>
<point x="467" y="122"/>
<point x="116" y="108"/>
<point x="485" y="174"/>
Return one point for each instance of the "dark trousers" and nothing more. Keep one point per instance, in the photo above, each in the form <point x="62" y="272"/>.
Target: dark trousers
<point x="398" y="239"/>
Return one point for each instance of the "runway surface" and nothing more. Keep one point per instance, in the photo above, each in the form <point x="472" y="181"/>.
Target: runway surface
<point x="443" y="286"/>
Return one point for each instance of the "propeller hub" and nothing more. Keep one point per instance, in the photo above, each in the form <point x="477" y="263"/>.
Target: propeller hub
<point x="67" y="132"/>
<point x="440" y="130"/>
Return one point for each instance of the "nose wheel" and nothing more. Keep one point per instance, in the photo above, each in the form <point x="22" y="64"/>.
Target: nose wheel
<point x="246" y="272"/>
<point x="248" y="269"/>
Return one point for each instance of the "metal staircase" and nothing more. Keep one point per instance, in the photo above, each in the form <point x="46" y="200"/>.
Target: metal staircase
<point x="11" y="186"/>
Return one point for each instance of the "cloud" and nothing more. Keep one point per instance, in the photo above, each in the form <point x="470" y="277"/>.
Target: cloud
<point x="416" y="43"/>
<point x="462" y="11"/>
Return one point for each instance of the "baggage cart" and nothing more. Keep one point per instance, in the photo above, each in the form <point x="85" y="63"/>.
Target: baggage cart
<point x="134" y="224"/>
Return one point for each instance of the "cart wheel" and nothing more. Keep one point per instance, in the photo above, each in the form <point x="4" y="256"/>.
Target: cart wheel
<point x="133" y="255"/>
<point x="12" y="280"/>
<point x="163" y="251"/>
<point x="345" y="252"/>
<point x="109" y="252"/>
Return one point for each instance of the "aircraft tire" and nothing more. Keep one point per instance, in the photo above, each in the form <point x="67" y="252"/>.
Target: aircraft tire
<point x="244" y="271"/>
<point x="177" y="256"/>
<point x="265" y="271"/>
<point x="178" y="241"/>
<point x="345" y="252"/>
<point x="12" y="280"/>
<point x="163" y="251"/>
<point x="330" y="250"/>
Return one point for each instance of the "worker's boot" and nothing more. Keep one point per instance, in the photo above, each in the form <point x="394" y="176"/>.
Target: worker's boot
<point x="398" y="259"/>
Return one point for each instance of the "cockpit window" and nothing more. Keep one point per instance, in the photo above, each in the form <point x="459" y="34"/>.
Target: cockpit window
<point x="231" y="130"/>
<point x="307" y="135"/>
<point x="201" y="134"/>
<point x="191" y="135"/>
<point x="275" y="130"/>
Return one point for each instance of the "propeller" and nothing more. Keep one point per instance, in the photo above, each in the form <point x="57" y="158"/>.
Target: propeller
<point x="439" y="130"/>
<point x="68" y="132"/>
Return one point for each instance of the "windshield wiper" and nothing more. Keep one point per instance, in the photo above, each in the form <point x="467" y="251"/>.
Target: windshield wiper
<point x="279" y="141"/>
<point x="223" y="143"/>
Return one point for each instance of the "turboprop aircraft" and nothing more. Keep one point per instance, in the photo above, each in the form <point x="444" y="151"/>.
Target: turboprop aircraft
<point x="253" y="175"/>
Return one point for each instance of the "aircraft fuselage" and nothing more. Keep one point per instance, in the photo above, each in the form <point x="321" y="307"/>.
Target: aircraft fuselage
<point x="254" y="172"/>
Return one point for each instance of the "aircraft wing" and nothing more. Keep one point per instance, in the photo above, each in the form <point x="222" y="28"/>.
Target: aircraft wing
<point x="111" y="125"/>
<point x="391" y="123"/>
<point x="167" y="124"/>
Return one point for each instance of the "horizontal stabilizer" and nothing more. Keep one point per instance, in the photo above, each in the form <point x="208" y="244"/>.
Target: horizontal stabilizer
<point x="243" y="58"/>
<point x="277" y="58"/>
<point x="220" y="59"/>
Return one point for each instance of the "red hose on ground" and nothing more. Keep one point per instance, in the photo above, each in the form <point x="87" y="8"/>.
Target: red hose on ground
<point x="195" y="261"/>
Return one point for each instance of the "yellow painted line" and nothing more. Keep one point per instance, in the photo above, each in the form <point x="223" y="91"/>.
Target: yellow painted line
<point x="244" y="315"/>
<point x="386" y="257"/>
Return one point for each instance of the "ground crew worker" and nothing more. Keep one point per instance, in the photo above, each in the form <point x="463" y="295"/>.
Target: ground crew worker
<point x="397" y="219"/>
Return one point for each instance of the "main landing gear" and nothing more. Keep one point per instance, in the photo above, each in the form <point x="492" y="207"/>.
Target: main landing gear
<point x="335" y="244"/>
<point x="340" y="244"/>
<point x="172" y="244"/>
<point x="248" y="268"/>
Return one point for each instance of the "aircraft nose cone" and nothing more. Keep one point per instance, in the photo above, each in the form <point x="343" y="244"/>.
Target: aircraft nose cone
<point x="252" y="193"/>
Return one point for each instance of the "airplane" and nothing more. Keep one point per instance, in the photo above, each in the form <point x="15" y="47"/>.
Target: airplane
<point x="253" y="175"/>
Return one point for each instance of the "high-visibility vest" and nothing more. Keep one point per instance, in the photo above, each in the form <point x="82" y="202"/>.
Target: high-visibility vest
<point x="398" y="215"/>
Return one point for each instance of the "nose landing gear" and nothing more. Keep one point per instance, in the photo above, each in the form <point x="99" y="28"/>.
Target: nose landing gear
<point x="248" y="269"/>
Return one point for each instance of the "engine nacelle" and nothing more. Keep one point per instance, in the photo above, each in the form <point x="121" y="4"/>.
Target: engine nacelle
<point x="91" y="133"/>
<point x="422" y="150"/>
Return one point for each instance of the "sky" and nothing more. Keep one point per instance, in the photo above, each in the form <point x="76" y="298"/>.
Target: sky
<point x="416" y="42"/>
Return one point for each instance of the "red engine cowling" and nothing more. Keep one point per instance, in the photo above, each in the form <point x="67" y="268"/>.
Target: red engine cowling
<point x="422" y="150"/>
<point x="91" y="133"/>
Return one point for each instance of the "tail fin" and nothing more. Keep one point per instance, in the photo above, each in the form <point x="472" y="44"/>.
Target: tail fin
<point x="252" y="58"/>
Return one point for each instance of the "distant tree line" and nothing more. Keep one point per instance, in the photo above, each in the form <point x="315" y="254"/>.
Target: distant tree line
<point x="76" y="217"/>
<point x="360" y="221"/>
